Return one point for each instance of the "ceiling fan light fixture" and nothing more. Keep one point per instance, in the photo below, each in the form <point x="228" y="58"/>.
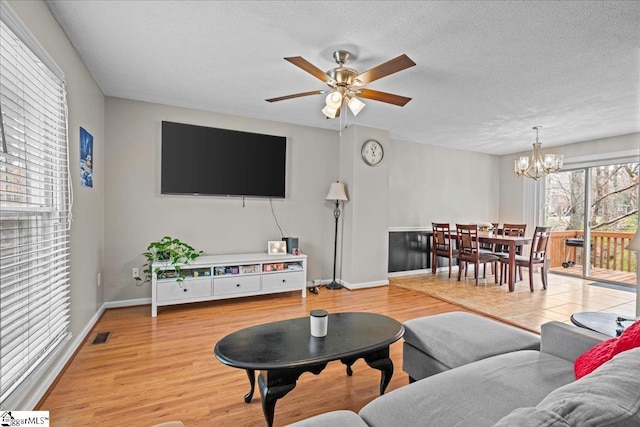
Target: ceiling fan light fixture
<point x="330" y="112"/>
<point x="334" y="100"/>
<point x="355" y="105"/>
<point x="345" y="83"/>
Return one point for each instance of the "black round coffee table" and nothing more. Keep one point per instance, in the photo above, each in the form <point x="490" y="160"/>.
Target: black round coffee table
<point x="283" y="350"/>
<point x="610" y="324"/>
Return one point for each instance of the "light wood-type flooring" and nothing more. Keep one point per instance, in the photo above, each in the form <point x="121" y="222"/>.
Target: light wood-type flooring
<point x="564" y="296"/>
<point x="159" y="369"/>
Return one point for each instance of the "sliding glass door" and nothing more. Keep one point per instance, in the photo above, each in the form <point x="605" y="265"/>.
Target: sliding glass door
<point x="564" y="213"/>
<point x="593" y="213"/>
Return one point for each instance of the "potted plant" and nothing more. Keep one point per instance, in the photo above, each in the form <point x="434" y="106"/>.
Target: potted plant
<point x="173" y="252"/>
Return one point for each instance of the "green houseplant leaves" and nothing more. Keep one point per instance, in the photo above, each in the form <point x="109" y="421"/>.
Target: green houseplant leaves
<point x="173" y="252"/>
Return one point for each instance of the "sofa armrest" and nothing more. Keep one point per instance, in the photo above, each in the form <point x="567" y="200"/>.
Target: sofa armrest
<point x="567" y="341"/>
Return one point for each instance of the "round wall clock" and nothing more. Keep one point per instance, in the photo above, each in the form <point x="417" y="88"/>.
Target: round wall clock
<point x="372" y="152"/>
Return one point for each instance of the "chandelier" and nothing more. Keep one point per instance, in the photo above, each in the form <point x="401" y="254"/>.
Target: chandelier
<point x="538" y="164"/>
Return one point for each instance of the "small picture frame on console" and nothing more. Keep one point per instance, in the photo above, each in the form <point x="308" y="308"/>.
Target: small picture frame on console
<point x="296" y="251"/>
<point x="277" y="247"/>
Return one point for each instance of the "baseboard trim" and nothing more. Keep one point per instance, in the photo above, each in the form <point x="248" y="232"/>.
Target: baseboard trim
<point x="353" y="286"/>
<point x="127" y="303"/>
<point x="422" y="271"/>
<point x="409" y="272"/>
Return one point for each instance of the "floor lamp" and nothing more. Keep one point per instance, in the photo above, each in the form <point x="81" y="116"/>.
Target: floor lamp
<point x="337" y="193"/>
<point x="634" y="245"/>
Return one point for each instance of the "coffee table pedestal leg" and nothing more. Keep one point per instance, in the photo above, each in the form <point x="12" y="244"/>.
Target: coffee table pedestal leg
<point x="276" y="384"/>
<point x="252" y="380"/>
<point x="348" y="362"/>
<point x="380" y="360"/>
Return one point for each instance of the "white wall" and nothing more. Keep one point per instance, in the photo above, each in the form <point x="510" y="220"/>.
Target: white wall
<point x="136" y="213"/>
<point x="366" y="218"/>
<point x="86" y="109"/>
<point x="436" y="184"/>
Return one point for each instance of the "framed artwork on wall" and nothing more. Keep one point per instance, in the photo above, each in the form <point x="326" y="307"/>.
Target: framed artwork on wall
<point x="86" y="158"/>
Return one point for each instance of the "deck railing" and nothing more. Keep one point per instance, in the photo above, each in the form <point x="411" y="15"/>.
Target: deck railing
<point x="607" y="250"/>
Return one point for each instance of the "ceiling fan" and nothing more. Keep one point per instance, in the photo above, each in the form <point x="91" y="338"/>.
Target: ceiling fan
<point x="347" y="85"/>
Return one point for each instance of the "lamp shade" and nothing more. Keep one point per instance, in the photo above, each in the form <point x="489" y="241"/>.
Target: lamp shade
<point x="355" y="105"/>
<point x="634" y="244"/>
<point x="336" y="192"/>
<point x="331" y="113"/>
<point x="334" y="100"/>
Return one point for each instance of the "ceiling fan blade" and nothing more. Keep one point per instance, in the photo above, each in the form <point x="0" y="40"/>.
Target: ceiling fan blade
<point x="307" y="66"/>
<point x="394" y="65"/>
<point x="376" y="95"/>
<point x="296" y="95"/>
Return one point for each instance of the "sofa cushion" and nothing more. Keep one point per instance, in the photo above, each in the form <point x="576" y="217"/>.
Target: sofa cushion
<point x="457" y="338"/>
<point x="477" y="394"/>
<point x="532" y="417"/>
<point x="601" y="353"/>
<point x="606" y="397"/>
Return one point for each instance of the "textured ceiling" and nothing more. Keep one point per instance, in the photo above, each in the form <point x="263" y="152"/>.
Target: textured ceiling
<point x="486" y="73"/>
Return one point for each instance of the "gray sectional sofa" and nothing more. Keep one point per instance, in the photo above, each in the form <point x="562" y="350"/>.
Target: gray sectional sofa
<point x="514" y="388"/>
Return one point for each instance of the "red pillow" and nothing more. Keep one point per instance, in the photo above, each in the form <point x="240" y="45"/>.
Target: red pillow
<point x="603" y="352"/>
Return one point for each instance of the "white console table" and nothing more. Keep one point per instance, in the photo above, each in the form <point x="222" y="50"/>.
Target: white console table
<point x="213" y="277"/>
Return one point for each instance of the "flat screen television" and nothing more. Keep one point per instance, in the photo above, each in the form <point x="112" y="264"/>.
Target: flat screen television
<point x="199" y="160"/>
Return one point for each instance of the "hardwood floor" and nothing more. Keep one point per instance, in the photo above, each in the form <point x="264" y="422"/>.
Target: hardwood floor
<point x="154" y="370"/>
<point x="159" y="369"/>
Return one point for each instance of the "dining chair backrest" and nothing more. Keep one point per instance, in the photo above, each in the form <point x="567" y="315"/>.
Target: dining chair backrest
<point x="514" y="229"/>
<point x="517" y="230"/>
<point x="491" y="246"/>
<point x="539" y="244"/>
<point x="441" y="236"/>
<point x="467" y="235"/>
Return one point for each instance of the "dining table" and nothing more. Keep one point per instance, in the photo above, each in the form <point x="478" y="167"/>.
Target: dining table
<point x="511" y="242"/>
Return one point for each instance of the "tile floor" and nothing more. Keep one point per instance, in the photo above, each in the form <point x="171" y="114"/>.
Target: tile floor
<point x="564" y="296"/>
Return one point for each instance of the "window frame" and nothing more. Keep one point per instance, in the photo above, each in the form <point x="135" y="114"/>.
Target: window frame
<point x="34" y="173"/>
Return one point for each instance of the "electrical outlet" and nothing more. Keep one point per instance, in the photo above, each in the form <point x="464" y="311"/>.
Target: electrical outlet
<point x="135" y="272"/>
<point x="99" y="279"/>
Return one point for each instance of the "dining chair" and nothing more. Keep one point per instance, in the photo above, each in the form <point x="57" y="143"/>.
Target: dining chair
<point x="442" y="245"/>
<point x="489" y="247"/>
<point x="517" y="230"/>
<point x="469" y="251"/>
<point x="537" y="257"/>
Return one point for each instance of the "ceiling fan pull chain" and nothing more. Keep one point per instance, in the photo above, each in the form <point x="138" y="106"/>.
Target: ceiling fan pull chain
<point x="346" y="115"/>
<point x="341" y="120"/>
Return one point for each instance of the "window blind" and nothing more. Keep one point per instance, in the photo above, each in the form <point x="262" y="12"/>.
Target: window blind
<point x="34" y="213"/>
